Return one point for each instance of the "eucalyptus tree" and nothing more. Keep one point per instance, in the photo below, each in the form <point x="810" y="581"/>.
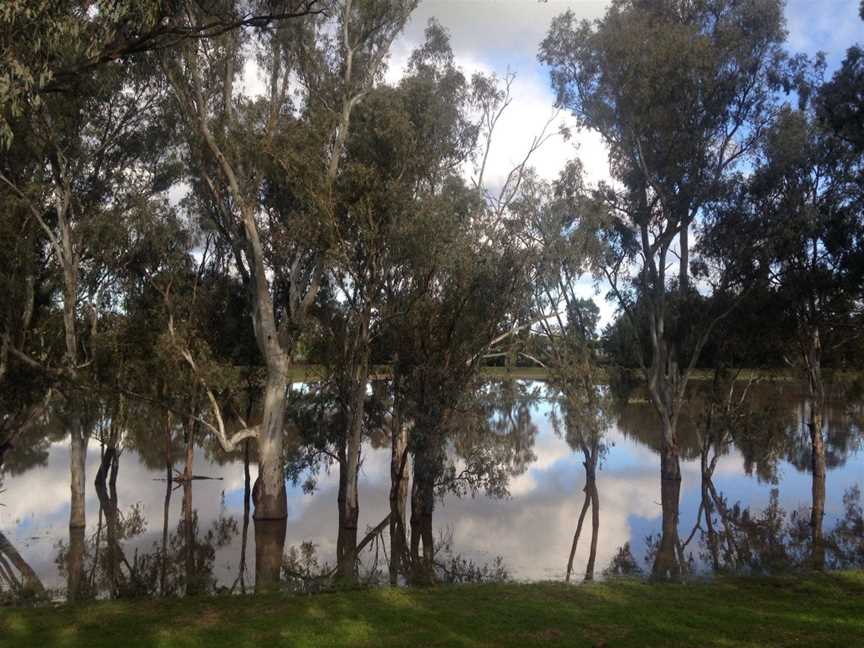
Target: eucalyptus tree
<point x="840" y="101"/>
<point x="362" y="192"/>
<point x="49" y="46"/>
<point x="93" y="157"/>
<point x="459" y="293"/>
<point x="680" y="93"/>
<point x="808" y="198"/>
<point x="564" y="336"/>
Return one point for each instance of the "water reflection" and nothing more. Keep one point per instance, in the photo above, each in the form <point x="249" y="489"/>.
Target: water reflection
<point x="518" y="479"/>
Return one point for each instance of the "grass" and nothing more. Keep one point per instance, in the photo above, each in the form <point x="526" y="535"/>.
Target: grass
<point x="819" y="610"/>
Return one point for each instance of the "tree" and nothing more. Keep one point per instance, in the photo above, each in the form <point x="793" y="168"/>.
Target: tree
<point x="681" y="93"/>
<point x="564" y="327"/>
<point x="49" y="46"/>
<point x="808" y="202"/>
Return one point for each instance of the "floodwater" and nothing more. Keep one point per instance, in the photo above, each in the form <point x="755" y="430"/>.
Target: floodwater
<point x="154" y="545"/>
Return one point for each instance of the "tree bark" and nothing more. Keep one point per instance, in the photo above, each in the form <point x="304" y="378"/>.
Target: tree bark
<point x="595" y="528"/>
<point x="818" y="465"/>
<point x="398" y="494"/>
<point x="422" y="510"/>
<point x="77" y="470"/>
<point x="683" y="266"/>
<point x="350" y="503"/>
<point x="269" y="493"/>
<point x="817" y="446"/>
<point x="106" y="491"/>
<point x="269" y="547"/>
<point x="666" y="562"/>
<point x="169" y="483"/>
<point x="75" y="565"/>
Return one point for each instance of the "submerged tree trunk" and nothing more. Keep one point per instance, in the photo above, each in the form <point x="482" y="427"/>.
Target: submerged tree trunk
<point x="77" y="516"/>
<point x="666" y="562"/>
<point x="169" y="484"/>
<point x="349" y="496"/>
<point x="269" y="492"/>
<point x="817" y="514"/>
<point x="817" y="447"/>
<point x="398" y="495"/>
<point x="422" y="510"/>
<point x="247" y="496"/>
<point x="106" y="491"/>
<point x="595" y="528"/>
<point x="708" y="507"/>
<point x="592" y="500"/>
<point x="269" y="547"/>
<point x="192" y="579"/>
<point x="75" y="565"/>
<point x="77" y="471"/>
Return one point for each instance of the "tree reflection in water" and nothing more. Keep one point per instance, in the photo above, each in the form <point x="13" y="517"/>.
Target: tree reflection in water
<point x="753" y="429"/>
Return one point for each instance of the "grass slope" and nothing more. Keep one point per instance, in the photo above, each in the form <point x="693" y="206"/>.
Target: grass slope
<point x="824" y="610"/>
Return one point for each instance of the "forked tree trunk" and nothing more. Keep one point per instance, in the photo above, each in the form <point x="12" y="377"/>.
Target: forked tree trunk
<point x="592" y="501"/>
<point x="595" y="528"/>
<point x="106" y="491"/>
<point x="422" y="510"/>
<point x="708" y="509"/>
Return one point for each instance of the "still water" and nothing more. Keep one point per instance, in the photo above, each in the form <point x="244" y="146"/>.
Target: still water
<point x="530" y="530"/>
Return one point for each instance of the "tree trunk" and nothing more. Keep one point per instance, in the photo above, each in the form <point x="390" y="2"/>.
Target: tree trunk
<point x="592" y="500"/>
<point x="350" y="503"/>
<point x="169" y="483"/>
<point x="666" y="562"/>
<point x="269" y="547"/>
<point x="77" y="470"/>
<point x="398" y="494"/>
<point x="247" y="495"/>
<point x="683" y="266"/>
<point x="422" y="509"/>
<point x="108" y="501"/>
<point x="75" y="565"/>
<point x="595" y="526"/>
<point x="817" y="514"/>
<point x="269" y="491"/>
<point x="77" y="516"/>
<point x="192" y="580"/>
<point x="708" y="508"/>
<point x="817" y="446"/>
<point x="268" y="494"/>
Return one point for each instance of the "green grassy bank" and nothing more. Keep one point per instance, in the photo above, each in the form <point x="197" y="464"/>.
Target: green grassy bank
<point x="824" y="610"/>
